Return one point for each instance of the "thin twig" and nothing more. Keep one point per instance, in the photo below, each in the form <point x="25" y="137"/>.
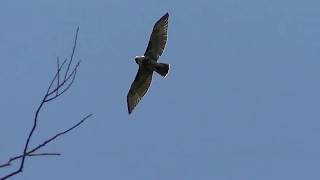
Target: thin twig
<point x="72" y="54"/>
<point x="30" y="155"/>
<point x="58" y="77"/>
<point x="54" y="78"/>
<point x="61" y="133"/>
<point x="61" y="84"/>
<point x="31" y="152"/>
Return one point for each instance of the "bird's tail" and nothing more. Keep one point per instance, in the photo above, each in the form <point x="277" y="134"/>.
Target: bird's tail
<point x="162" y="69"/>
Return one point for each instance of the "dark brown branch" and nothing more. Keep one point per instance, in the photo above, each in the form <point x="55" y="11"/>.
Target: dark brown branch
<point x="55" y="77"/>
<point x="30" y="155"/>
<point x="58" y="76"/>
<point x="31" y="152"/>
<point x="61" y="133"/>
<point x="68" y="80"/>
<point x="72" y="54"/>
<point x="44" y="154"/>
<point x="72" y="75"/>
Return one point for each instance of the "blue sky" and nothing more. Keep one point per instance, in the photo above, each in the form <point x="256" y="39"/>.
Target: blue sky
<point x="241" y="100"/>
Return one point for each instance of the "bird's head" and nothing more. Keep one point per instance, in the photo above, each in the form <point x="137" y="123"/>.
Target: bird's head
<point x="139" y="59"/>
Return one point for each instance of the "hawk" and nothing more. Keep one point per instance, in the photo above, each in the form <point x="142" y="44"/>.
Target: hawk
<point x="148" y="63"/>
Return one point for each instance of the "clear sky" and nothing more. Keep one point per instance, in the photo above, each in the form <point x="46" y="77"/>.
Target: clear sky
<point x="241" y="101"/>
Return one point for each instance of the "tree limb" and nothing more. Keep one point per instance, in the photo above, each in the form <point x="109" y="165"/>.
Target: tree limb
<point x="31" y="152"/>
<point x="50" y="95"/>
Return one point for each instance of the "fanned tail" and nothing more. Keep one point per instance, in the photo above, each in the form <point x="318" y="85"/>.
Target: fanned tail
<point x="162" y="69"/>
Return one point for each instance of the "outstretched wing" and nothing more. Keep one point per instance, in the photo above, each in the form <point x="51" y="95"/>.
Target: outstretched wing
<point x="158" y="38"/>
<point x="138" y="88"/>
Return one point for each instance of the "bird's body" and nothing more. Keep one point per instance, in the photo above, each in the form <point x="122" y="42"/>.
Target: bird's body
<point x="152" y="65"/>
<point x="148" y="63"/>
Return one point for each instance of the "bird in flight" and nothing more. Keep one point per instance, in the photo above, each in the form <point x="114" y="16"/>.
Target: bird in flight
<point x="148" y="63"/>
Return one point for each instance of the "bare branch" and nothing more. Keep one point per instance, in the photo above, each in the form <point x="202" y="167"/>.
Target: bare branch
<point x="62" y="87"/>
<point x="72" y="54"/>
<point x="31" y="152"/>
<point x="44" y="154"/>
<point x="72" y="75"/>
<point x="58" y="71"/>
<point x="55" y="77"/>
<point x="61" y="133"/>
<point x="30" y="155"/>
